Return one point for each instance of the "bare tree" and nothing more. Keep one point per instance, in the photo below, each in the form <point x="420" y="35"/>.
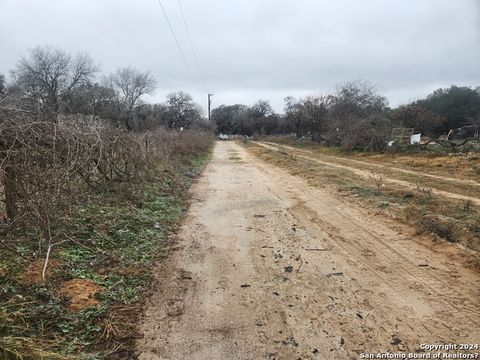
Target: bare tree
<point x="48" y="74"/>
<point x="314" y="111"/>
<point x="293" y="114"/>
<point x="309" y="114"/>
<point x="358" y="98"/>
<point x="358" y="117"/>
<point x="131" y="84"/>
<point x="94" y="100"/>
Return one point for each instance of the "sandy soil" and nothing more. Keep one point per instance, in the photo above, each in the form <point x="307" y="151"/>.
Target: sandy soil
<point x="266" y="267"/>
<point x="349" y="165"/>
<point x="390" y="166"/>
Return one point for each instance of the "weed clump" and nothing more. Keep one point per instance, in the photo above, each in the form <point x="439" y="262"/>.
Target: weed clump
<point x="443" y="228"/>
<point x="377" y="178"/>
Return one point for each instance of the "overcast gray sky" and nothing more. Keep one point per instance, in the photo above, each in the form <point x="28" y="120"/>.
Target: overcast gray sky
<point x="269" y="49"/>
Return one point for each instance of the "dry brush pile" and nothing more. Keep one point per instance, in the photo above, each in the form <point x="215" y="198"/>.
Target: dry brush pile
<point x="51" y="169"/>
<point x="47" y="165"/>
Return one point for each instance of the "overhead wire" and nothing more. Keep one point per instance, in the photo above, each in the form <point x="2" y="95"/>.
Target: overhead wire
<point x="194" y="52"/>
<point x="178" y="46"/>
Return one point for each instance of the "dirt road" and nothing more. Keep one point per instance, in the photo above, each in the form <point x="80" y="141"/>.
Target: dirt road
<point x="266" y="267"/>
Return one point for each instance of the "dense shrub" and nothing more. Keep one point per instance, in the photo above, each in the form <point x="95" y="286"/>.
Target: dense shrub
<point x="46" y="166"/>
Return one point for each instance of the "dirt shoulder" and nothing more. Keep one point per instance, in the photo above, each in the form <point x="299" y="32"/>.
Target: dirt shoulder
<point x="463" y="168"/>
<point x="447" y="186"/>
<point x="268" y="266"/>
<point x="417" y="200"/>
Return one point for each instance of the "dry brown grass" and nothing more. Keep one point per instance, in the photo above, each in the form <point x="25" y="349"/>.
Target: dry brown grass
<point x="462" y="167"/>
<point x="438" y="163"/>
<point x="452" y="220"/>
<point x="47" y="166"/>
<point x="22" y="348"/>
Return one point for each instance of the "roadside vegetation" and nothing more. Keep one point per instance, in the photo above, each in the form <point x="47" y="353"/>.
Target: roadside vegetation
<point x="357" y="117"/>
<point x="93" y="183"/>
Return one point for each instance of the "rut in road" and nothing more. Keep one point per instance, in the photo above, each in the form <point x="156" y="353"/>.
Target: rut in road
<point x="266" y="267"/>
<point x="331" y="161"/>
<point x="374" y="165"/>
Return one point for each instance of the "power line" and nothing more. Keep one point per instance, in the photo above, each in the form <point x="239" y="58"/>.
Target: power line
<point x="192" y="46"/>
<point x="178" y="46"/>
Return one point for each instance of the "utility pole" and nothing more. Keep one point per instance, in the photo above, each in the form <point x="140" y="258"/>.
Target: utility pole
<point x="209" y="103"/>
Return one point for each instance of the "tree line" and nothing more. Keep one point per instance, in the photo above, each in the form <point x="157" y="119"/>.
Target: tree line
<point x="57" y="84"/>
<point x="356" y="116"/>
<point x="83" y="160"/>
<point x="67" y="130"/>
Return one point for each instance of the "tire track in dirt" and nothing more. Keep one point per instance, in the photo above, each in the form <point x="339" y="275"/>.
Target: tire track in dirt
<point x="387" y="255"/>
<point x="379" y="166"/>
<point x="366" y="174"/>
<point x="267" y="267"/>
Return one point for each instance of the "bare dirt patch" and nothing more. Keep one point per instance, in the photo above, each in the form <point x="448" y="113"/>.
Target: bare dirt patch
<point x="80" y="293"/>
<point x="270" y="267"/>
<point x="33" y="274"/>
<point x="462" y="168"/>
<point x="446" y="186"/>
<point x="415" y="200"/>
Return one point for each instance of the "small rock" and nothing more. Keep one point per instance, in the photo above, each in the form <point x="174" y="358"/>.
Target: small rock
<point x="395" y="341"/>
<point x="290" y="341"/>
<point x="335" y="274"/>
<point x="175" y="308"/>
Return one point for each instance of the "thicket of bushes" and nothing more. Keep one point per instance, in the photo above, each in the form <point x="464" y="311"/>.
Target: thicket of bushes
<point x="356" y="116"/>
<point x="92" y="182"/>
<point x="65" y="130"/>
<point x="91" y="196"/>
<point x="47" y="165"/>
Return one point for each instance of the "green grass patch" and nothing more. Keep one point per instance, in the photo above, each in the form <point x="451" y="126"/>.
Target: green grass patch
<point x="112" y="239"/>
